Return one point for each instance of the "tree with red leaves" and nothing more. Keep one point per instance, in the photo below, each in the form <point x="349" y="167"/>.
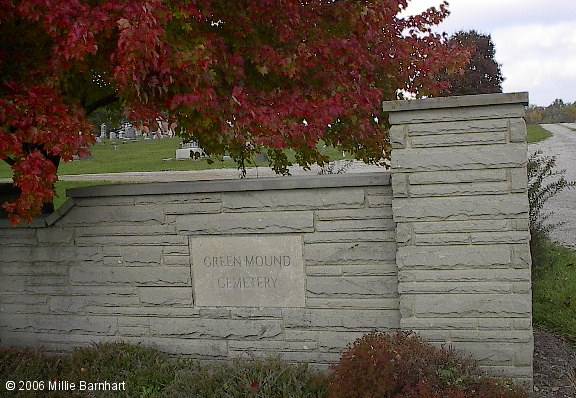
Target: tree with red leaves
<point x="240" y="76"/>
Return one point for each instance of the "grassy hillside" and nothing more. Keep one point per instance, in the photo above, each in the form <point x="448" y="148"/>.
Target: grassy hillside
<point x="143" y="155"/>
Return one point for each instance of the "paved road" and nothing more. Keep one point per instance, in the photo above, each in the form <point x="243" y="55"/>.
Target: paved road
<point x="562" y="144"/>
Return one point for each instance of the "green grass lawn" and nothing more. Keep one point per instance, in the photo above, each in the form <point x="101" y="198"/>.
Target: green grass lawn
<point x="537" y="133"/>
<point x="554" y="290"/>
<point x="143" y="155"/>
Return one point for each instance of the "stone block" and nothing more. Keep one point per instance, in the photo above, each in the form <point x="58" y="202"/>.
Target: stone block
<point x="298" y="199"/>
<point x="176" y="250"/>
<point x="216" y="328"/>
<point x="272" y="345"/>
<point x="360" y="304"/>
<point x="359" y="252"/>
<point x="452" y="140"/>
<point x="354" y="214"/>
<point x="457" y="176"/>
<point x="145" y="311"/>
<point x="199" y="349"/>
<point x="139" y="240"/>
<point x="105" y="201"/>
<point x="380" y="197"/>
<point x="336" y="341"/>
<point x="459" y="158"/>
<point x="472" y="305"/>
<point x="165" y="295"/>
<point x="246" y="223"/>
<point x="458" y="287"/>
<point x="490" y="353"/>
<point x="465" y="275"/>
<point x="500" y="237"/>
<point x="453" y="257"/>
<point x="478" y="336"/>
<point x="90" y="275"/>
<point x="385" y="268"/>
<point x="255" y="313"/>
<point x="12" y="298"/>
<point x="46" y="254"/>
<point x="404" y="233"/>
<point x="178" y="260"/>
<point x="472" y="113"/>
<point x="438" y="227"/>
<point x="400" y="186"/>
<point x="518" y="179"/>
<point x="76" y="304"/>
<point x="477" y="188"/>
<point x="458" y="128"/>
<point x="179" y="199"/>
<point x="60" y="324"/>
<point x="442" y="239"/>
<point x="32" y="269"/>
<point x="352" y="236"/>
<point x="351" y="287"/>
<point x="376" y="224"/>
<point x="55" y="236"/>
<point x="189" y="208"/>
<point x="398" y="136"/>
<point x="101" y="215"/>
<point x="133" y="331"/>
<point x="18" y="308"/>
<point x="133" y="255"/>
<point x="354" y="319"/>
<point x="296" y="317"/>
<point x="125" y="230"/>
<point x="517" y="128"/>
<point x="215" y="313"/>
<point x="461" y="208"/>
<point x="18" y="237"/>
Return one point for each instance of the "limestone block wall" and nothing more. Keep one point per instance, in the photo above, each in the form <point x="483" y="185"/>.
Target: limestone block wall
<point x="115" y="264"/>
<point x="460" y="203"/>
<point x="442" y="249"/>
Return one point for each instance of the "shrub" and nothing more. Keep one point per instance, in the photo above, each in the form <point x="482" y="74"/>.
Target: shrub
<point x="269" y="378"/>
<point x="149" y="373"/>
<point x="402" y="365"/>
<point x="544" y="182"/>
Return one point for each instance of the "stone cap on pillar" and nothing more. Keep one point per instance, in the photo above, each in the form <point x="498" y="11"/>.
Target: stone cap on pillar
<point x="456" y="102"/>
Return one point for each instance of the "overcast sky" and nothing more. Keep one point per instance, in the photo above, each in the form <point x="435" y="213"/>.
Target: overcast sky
<point x="535" y="41"/>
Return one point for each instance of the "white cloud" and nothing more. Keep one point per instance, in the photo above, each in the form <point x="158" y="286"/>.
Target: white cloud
<point x="535" y="41"/>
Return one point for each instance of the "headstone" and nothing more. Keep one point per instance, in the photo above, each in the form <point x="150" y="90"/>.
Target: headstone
<point x="130" y="132"/>
<point x="260" y="271"/>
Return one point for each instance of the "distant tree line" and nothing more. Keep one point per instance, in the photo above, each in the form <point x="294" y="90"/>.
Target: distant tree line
<point x="557" y="112"/>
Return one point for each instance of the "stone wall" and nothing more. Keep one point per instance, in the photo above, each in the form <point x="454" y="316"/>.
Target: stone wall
<point x="442" y="249"/>
<point x="117" y="265"/>
<point x="461" y="207"/>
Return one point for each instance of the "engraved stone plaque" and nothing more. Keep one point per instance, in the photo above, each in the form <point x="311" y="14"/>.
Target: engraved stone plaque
<point x="259" y="271"/>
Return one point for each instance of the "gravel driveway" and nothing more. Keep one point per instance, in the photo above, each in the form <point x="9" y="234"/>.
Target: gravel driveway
<point x="562" y="144"/>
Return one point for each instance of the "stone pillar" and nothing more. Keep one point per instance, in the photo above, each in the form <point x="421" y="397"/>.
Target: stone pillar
<point x="461" y="207"/>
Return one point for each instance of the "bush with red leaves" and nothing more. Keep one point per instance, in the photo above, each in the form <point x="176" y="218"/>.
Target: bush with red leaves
<point x="402" y="365"/>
